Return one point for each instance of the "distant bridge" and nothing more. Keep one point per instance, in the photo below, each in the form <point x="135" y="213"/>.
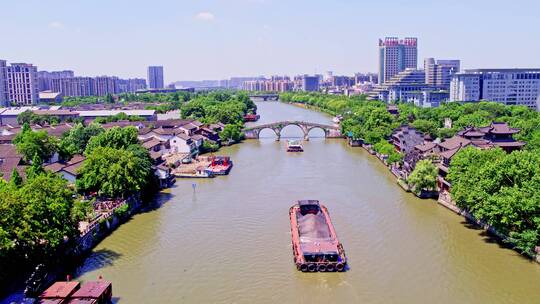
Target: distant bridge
<point x="264" y="97"/>
<point x="329" y="131"/>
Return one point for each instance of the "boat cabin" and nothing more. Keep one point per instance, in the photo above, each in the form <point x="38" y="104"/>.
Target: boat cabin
<point x="309" y="206"/>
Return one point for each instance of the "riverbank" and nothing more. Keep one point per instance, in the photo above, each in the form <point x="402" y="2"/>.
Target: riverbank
<point x="501" y="238"/>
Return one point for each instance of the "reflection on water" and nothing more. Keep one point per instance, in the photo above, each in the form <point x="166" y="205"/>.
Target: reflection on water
<point x="228" y="241"/>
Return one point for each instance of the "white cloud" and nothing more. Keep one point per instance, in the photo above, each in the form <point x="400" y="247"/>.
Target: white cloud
<point x="56" y="25"/>
<point x="205" y="16"/>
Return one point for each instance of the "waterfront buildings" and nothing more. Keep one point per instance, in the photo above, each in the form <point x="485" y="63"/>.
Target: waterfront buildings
<point x="405" y="138"/>
<point x="396" y="55"/>
<point x="507" y="86"/>
<point x="155" y="77"/>
<point x="439" y="72"/>
<point x="22" y="83"/>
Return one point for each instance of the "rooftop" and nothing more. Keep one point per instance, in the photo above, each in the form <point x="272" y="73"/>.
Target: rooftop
<point x="104" y="113"/>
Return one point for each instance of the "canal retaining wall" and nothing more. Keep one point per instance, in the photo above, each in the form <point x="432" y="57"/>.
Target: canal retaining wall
<point x="103" y="227"/>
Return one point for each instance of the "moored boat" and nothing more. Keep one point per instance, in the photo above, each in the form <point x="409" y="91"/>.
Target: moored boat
<point x="94" y="292"/>
<point x="221" y="165"/>
<point x="251" y="117"/>
<point x="314" y="241"/>
<point x="294" y="146"/>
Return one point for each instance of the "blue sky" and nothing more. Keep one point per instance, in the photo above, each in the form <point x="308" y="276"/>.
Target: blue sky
<point x="203" y="39"/>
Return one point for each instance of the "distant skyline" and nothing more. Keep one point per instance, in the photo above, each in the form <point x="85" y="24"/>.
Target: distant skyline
<point x="196" y="40"/>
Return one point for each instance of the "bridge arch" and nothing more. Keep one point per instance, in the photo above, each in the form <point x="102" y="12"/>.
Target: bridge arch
<point x="326" y="132"/>
<point x="306" y="127"/>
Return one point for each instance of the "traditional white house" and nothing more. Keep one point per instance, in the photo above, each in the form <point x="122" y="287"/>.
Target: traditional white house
<point x="198" y="140"/>
<point x="182" y="143"/>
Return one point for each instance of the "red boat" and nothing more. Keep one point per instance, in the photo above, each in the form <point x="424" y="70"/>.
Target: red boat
<point x="251" y="117"/>
<point x="71" y="292"/>
<point x="221" y="165"/>
<point x="314" y="240"/>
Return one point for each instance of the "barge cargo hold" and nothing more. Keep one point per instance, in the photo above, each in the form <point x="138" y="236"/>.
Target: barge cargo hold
<point x="314" y="241"/>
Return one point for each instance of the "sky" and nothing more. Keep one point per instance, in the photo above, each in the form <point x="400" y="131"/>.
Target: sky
<point x="218" y="39"/>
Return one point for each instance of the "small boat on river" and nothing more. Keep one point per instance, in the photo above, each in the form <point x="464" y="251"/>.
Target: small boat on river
<point x="314" y="241"/>
<point x="294" y="146"/>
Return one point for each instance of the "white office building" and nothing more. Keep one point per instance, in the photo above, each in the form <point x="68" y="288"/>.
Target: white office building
<point x="507" y="86"/>
<point x="439" y="72"/>
<point x="22" y="84"/>
<point x="396" y="55"/>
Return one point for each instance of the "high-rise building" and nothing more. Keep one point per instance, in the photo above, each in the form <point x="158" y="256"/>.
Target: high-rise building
<point x="309" y="83"/>
<point x="74" y="86"/>
<point x="22" y="84"/>
<point x="155" y="77"/>
<point x="4" y="99"/>
<point x="439" y="72"/>
<point x="341" y="81"/>
<point x="395" y="56"/>
<point x="45" y="78"/>
<point x="106" y="85"/>
<point x="507" y="86"/>
<point x="131" y="85"/>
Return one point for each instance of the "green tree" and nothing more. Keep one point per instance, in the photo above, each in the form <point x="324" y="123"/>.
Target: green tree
<point x="30" y="144"/>
<point x="231" y="133"/>
<point x="117" y="138"/>
<point x="16" y="179"/>
<point x="424" y="176"/>
<point x="113" y="172"/>
<point x="25" y="117"/>
<point x="208" y="146"/>
<point x="75" y="141"/>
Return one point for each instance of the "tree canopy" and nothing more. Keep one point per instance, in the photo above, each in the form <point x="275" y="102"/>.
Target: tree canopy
<point x="75" y="141"/>
<point x="35" y="143"/>
<point x="424" y="176"/>
<point x="501" y="189"/>
<point x="114" y="172"/>
<point x="116" y="137"/>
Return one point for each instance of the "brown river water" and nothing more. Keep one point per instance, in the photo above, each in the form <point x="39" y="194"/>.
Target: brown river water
<point x="228" y="240"/>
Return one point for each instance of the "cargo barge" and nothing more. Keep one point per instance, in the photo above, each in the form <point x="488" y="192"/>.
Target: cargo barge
<point x="221" y="165"/>
<point x="314" y="241"/>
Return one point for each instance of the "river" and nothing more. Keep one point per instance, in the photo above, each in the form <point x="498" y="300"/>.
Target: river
<point x="228" y="240"/>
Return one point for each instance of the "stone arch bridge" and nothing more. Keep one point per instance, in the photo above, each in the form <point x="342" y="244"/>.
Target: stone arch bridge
<point x="329" y="131"/>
